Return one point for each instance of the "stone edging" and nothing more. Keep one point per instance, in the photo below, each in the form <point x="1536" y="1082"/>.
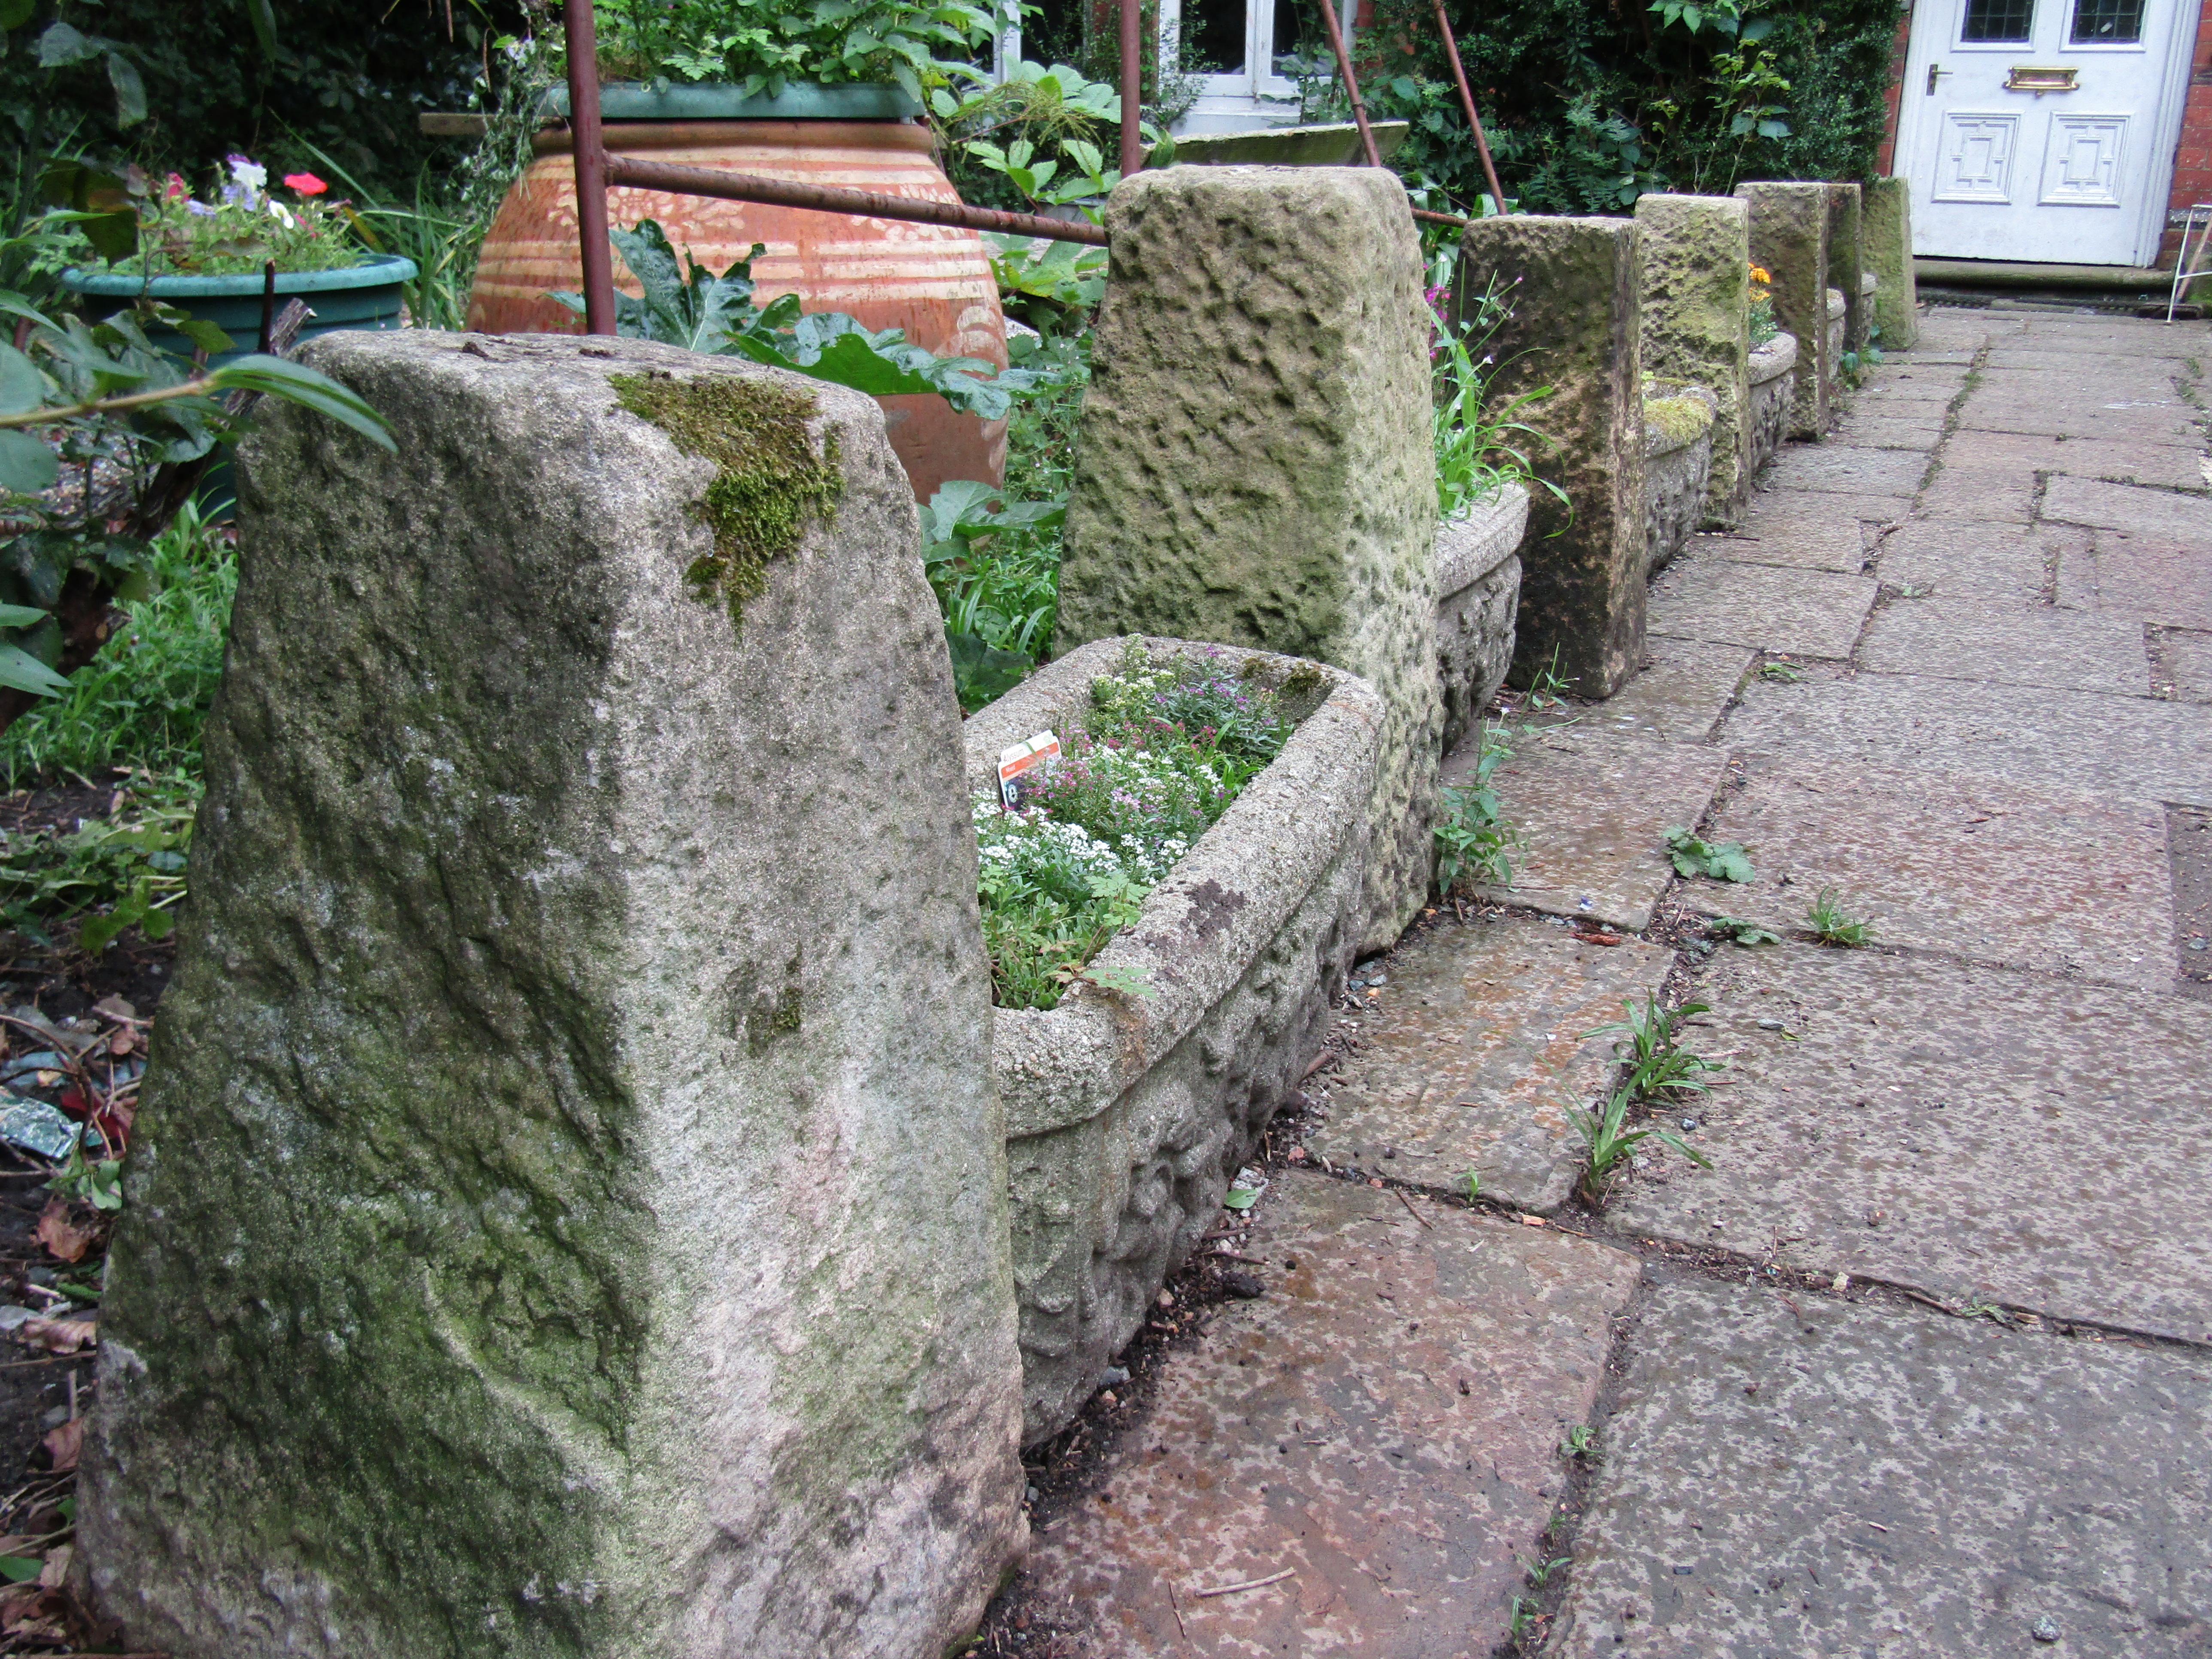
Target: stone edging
<point x="1775" y="358"/>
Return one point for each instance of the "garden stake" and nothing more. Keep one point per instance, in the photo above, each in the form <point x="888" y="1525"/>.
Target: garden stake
<point x="1466" y="99"/>
<point x="834" y="198"/>
<point x="268" y="306"/>
<point x="580" y="31"/>
<point x="1132" y="143"/>
<point x="1351" y="83"/>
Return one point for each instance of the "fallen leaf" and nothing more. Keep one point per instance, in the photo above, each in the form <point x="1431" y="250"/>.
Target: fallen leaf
<point x="59" y="1335"/>
<point x="64" y="1239"/>
<point x="55" y="1573"/>
<point x="115" y="1008"/>
<point x="65" y="1443"/>
<point x="123" y="1042"/>
<point x="1532" y="1221"/>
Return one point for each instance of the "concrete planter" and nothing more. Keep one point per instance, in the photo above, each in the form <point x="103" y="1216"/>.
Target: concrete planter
<point x="1773" y="379"/>
<point x="1478" y="593"/>
<point x="1678" y="461"/>
<point x="1126" y="1116"/>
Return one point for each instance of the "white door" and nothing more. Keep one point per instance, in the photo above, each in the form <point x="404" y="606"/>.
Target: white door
<point x="2042" y="131"/>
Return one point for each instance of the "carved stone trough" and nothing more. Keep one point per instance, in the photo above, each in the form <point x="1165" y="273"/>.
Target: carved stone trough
<point x="1478" y="593"/>
<point x="1127" y="1115"/>
<point x="1773" y="379"/>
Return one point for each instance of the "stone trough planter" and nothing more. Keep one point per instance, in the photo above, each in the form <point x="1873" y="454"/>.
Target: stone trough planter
<point x="1479" y="592"/>
<point x="1678" y="463"/>
<point x="1838" y="323"/>
<point x="1773" y="381"/>
<point x="1126" y="1116"/>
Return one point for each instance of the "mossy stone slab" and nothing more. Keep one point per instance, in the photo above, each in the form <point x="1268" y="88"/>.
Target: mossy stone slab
<point x="1886" y="221"/>
<point x="567" y="1213"/>
<point x="1789" y="241"/>
<point x="1696" y="322"/>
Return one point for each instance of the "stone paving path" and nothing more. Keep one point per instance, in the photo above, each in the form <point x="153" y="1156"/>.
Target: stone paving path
<point x="1923" y="1365"/>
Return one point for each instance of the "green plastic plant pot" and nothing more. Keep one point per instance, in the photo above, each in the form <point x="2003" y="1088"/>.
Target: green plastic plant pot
<point x="715" y="100"/>
<point x="365" y="295"/>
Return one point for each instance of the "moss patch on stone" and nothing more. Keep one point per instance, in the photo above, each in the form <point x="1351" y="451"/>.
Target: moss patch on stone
<point x="769" y="480"/>
<point x="1681" y="421"/>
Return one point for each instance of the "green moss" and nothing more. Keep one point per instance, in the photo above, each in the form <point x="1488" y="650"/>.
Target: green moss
<point x="1680" y="419"/>
<point x="770" y="481"/>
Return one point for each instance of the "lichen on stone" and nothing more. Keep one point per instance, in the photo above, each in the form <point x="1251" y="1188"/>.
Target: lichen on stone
<point x="769" y="481"/>
<point x="1678" y="421"/>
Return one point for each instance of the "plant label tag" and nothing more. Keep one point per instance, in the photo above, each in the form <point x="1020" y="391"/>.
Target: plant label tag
<point x="1024" y="766"/>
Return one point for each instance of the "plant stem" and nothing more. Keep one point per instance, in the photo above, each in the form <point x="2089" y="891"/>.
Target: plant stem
<point x="192" y="388"/>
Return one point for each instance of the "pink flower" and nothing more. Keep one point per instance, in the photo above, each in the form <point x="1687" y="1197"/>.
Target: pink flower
<point x="176" y="187"/>
<point x="306" y="183"/>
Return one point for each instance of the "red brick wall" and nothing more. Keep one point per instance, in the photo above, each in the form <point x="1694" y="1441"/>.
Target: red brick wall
<point x="1885" y="158"/>
<point x="2192" y="159"/>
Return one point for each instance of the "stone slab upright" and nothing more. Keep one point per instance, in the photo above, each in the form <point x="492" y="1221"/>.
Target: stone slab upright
<point x="1257" y="464"/>
<point x="1697" y="326"/>
<point x="1847" y="261"/>
<point x="1573" y="288"/>
<point x="568" y="1209"/>
<point x="1886" y="221"/>
<point x="1789" y="241"/>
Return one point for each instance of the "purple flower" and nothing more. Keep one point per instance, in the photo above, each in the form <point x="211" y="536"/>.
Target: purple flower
<point x="200" y="207"/>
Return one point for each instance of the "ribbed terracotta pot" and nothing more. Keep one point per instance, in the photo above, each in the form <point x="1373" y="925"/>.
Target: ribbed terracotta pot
<point x="932" y="281"/>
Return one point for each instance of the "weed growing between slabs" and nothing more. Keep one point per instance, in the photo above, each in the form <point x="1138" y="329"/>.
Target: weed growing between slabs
<point x="1160" y="756"/>
<point x="1661" y="1068"/>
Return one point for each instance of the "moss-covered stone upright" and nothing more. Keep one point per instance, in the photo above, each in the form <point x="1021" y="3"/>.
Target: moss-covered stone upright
<point x="1789" y="240"/>
<point x="568" y="1211"/>
<point x="1573" y="288"/>
<point x="1696" y="324"/>
<point x="1888" y="225"/>
<point x="1256" y="464"/>
<point x="1846" y="261"/>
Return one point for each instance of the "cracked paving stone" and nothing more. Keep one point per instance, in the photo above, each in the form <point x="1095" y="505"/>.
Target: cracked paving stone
<point x="1838" y="468"/>
<point x="2049" y="879"/>
<point x="1812" y="613"/>
<point x="1974" y="636"/>
<point x="1944" y="557"/>
<point x="1871" y="429"/>
<point x="1956" y="1128"/>
<point x="1591" y="812"/>
<point x="1464" y="1060"/>
<point x="2167" y="583"/>
<point x="2153" y="514"/>
<point x="2187" y="653"/>
<point x="1785" y="531"/>
<point x="2136" y="749"/>
<point x="1678" y="696"/>
<point x="2172" y="465"/>
<point x="1852" y="1479"/>
<point x="1384" y="1424"/>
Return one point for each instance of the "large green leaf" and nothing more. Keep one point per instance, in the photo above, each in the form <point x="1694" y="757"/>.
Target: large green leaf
<point x="25" y="672"/>
<point x="22" y="388"/>
<point x="25" y="465"/>
<point x="21" y="616"/>
<point x="129" y="90"/>
<point x="295" y="383"/>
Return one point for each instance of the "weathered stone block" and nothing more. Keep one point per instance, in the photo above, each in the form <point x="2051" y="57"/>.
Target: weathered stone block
<point x="1128" y="1115"/>
<point x="1479" y="585"/>
<point x="1789" y="241"/>
<point x="1839" y="337"/>
<point x="1886" y="225"/>
<point x="1773" y="379"/>
<point x="1573" y="286"/>
<point x="1847" y="261"/>
<point x="1678" y="459"/>
<point x="1696" y="283"/>
<point x="1256" y="465"/>
<point x="568" y="1215"/>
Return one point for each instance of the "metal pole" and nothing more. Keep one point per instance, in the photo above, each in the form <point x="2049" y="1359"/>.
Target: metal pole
<point x="1467" y="98"/>
<point x="1351" y="81"/>
<point x="834" y="198"/>
<point x="1133" y="86"/>
<point x="590" y="156"/>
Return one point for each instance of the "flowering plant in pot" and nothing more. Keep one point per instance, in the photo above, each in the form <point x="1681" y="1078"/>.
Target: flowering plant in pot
<point x="244" y="226"/>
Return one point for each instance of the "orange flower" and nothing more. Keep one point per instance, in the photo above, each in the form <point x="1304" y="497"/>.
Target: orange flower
<point x="1758" y="273"/>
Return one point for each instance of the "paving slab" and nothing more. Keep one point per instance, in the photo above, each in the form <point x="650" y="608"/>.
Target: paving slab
<point x="2152" y="420"/>
<point x="1841" y="469"/>
<point x="1985" y="494"/>
<point x="1949" y="557"/>
<point x="2189" y="845"/>
<point x="1957" y="1128"/>
<point x="2186" y="656"/>
<point x="1383" y="1424"/>
<point x="1465" y="1054"/>
<point x="1592" y="811"/>
<point x="2030" y="876"/>
<point x="1678" y="696"/>
<point x="2166" y="583"/>
<point x="2178" y="466"/>
<point x="2154" y="514"/>
<point x="1818" y="1476"/>
<point x="1813" y="613"/>
<point x="1789" y="530"/>
<point x="1866" y="429"/>
<point x="2056" y="358"/>
<point x="2115" y="337"/>
<point x="2136" y="749"/>
<point x="1978" y="636"/>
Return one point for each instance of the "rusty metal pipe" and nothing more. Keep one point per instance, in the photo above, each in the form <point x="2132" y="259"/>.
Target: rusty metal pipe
<point x="1133" y="86"/>
<point x="1351" y="81"/>
<point x="1466" y="99"/>
<point x="590" y="157"/>
<point x="834" y="199"/>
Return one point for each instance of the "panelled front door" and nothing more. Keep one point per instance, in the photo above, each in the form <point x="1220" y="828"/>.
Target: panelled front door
<point x="2041" y="131"/>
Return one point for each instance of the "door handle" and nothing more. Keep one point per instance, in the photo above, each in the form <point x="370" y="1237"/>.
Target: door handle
<point x="1934" y="70"/>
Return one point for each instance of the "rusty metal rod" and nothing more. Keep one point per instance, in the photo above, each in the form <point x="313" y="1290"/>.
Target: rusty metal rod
<point x="1351" y="81"/>
<point x="1441" y="218"/>
<point x="590" y="156"/>
<point x="1466" y="99"/>
<point x="834" y="198"/>
<point x="1133" y="86"/>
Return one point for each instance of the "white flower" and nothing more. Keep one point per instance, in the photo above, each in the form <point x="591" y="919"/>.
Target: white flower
<point x="250" y="174"/>
<point x="283" y="213"/>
